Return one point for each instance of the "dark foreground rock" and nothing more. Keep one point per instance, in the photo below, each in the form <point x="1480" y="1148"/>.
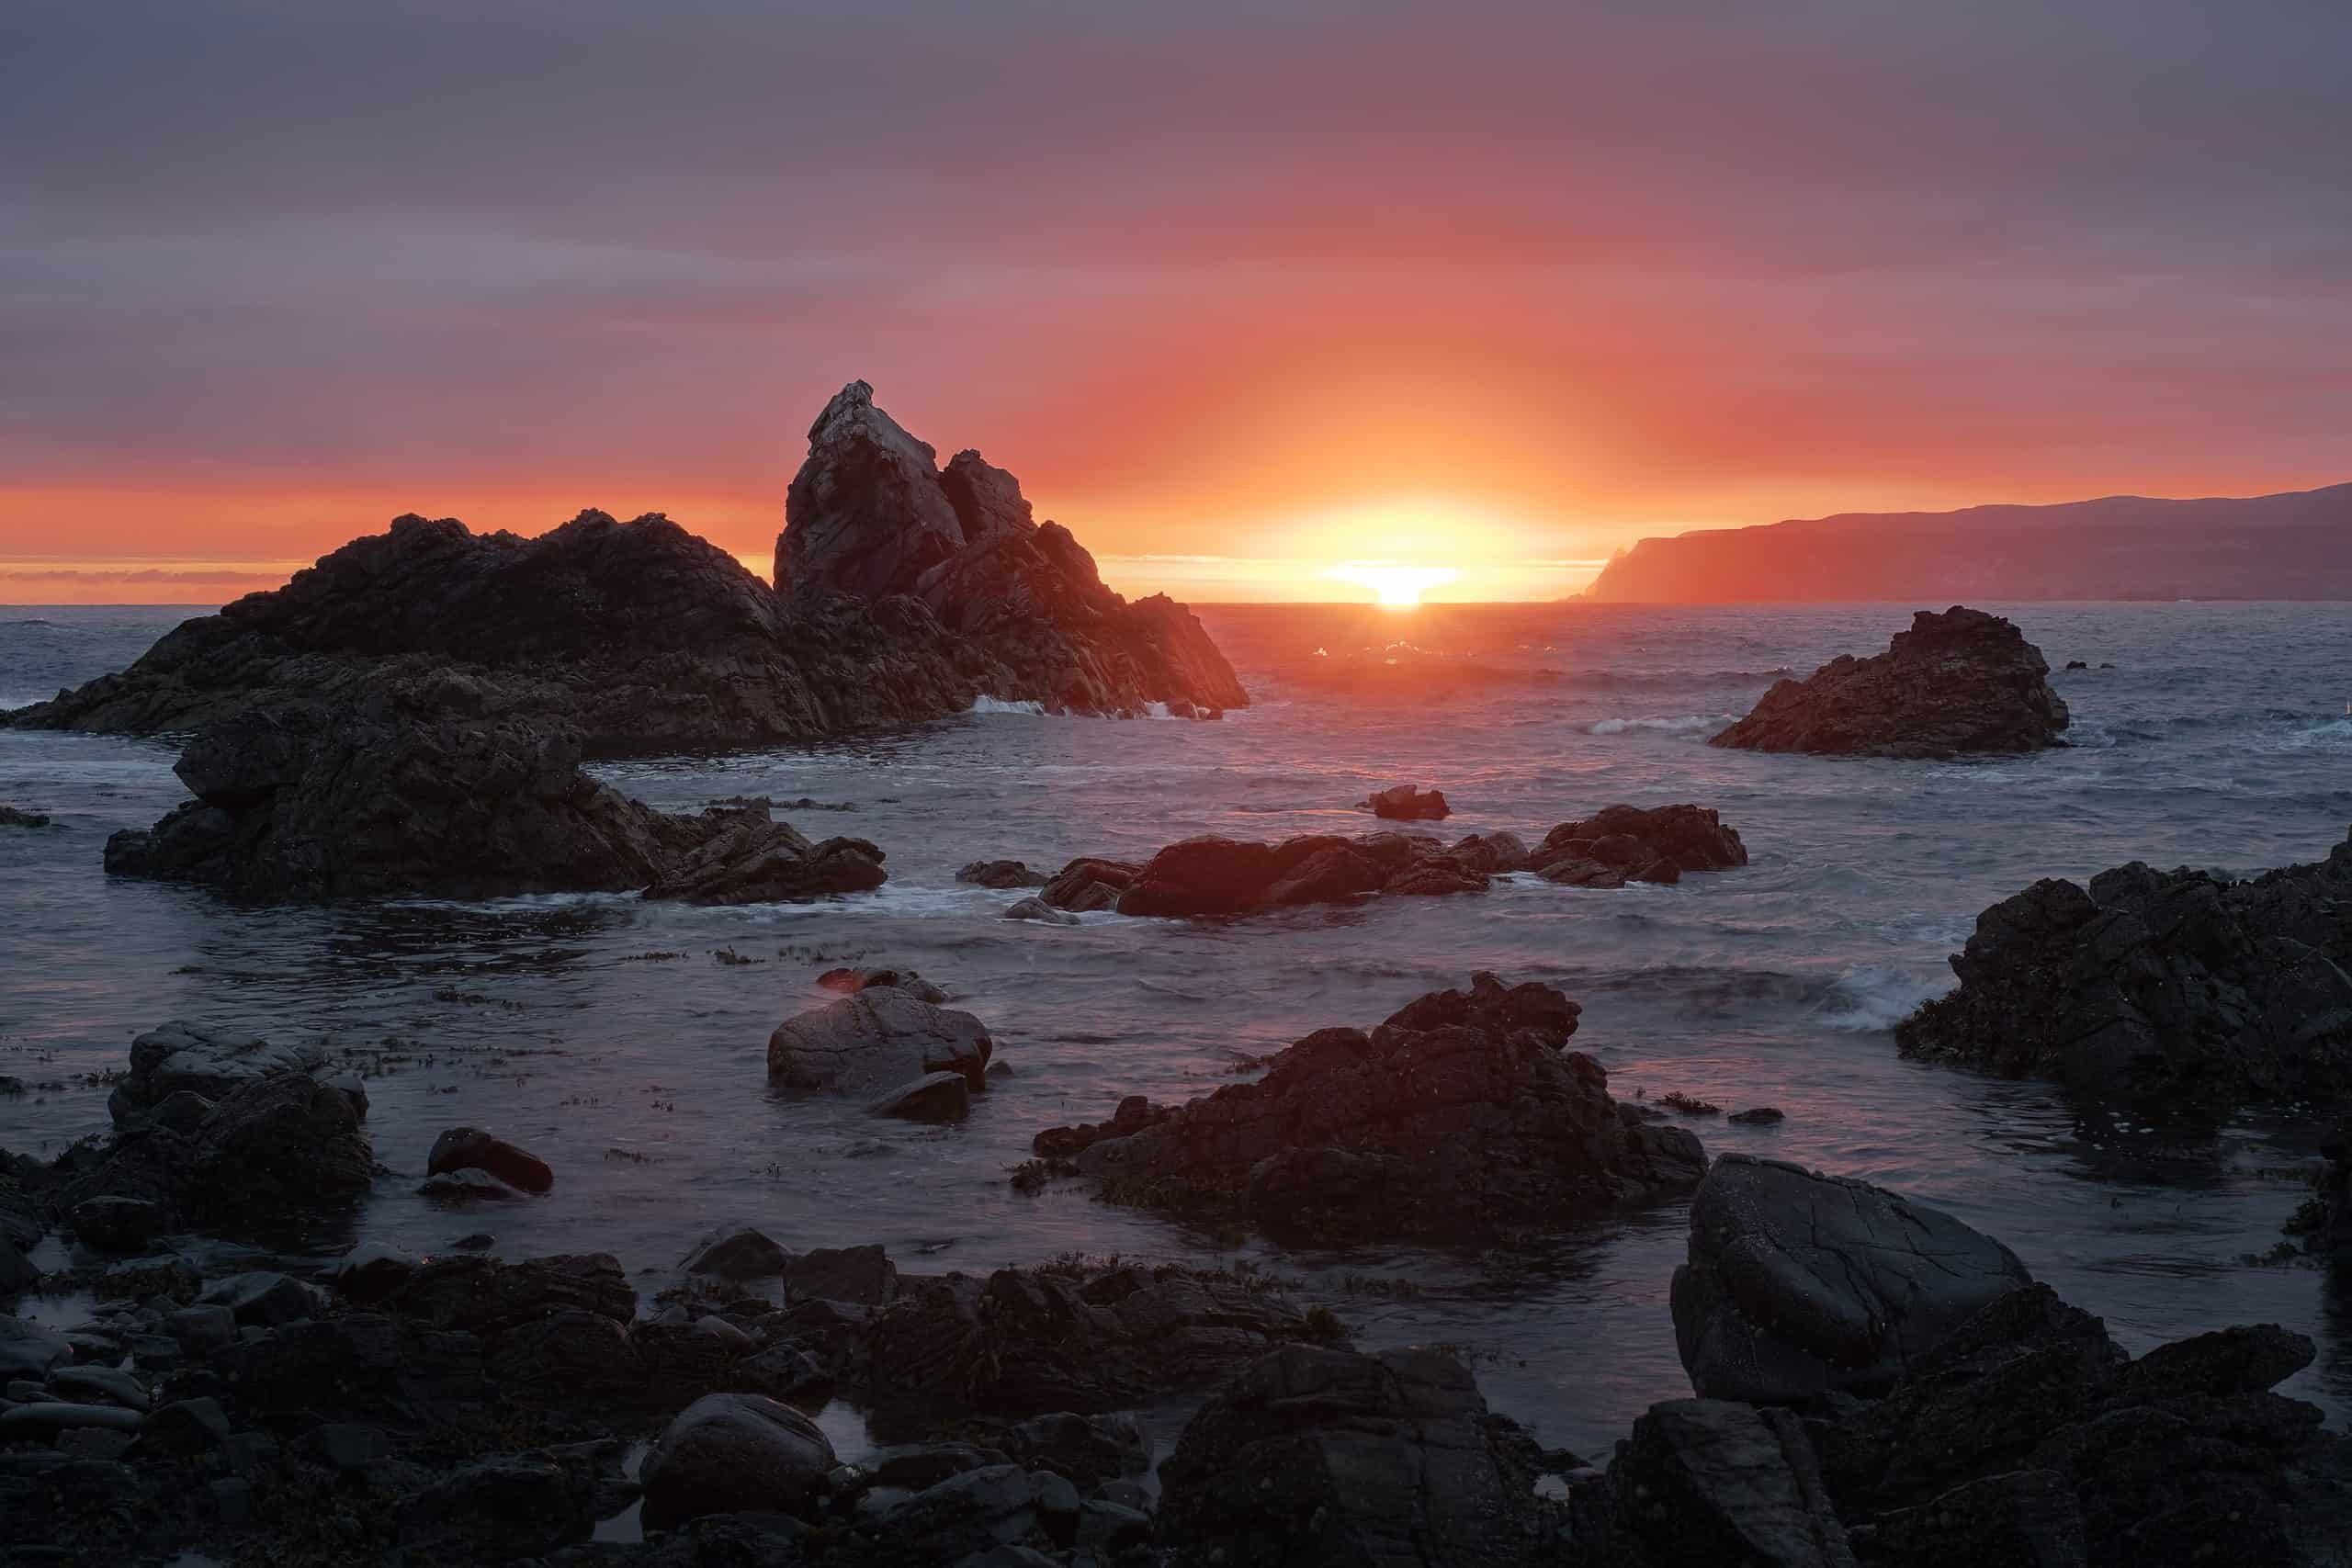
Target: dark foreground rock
<point x="1462" y="1113"/>
<point x="1800" y="1283"/>
<point x="1213" y="876"/>
<point x="443" y="785"/>
<point x="2176" y="987"/>
<point x="1961" y="682"/>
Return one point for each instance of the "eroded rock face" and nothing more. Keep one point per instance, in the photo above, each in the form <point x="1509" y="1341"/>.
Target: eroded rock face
<point x="878" y="1040"/>
<point x="870" y="516"/>
<point x="179" y="1057"/>
<point x="1956" y="683"/>
<point x="1798" y="1283"/>
<point x="1329" y="1458"/>
<point x="2169" y="985"/>
<point x="444" y="785"/>
<point x="1213" y="876"/>
<point x="1462" y="1112"/>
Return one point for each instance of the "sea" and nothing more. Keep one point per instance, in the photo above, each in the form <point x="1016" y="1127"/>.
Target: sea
<point x="624" y="1041"/>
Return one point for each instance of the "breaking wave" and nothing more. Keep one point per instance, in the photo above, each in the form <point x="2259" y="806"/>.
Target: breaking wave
<point x="1690" y="725"/>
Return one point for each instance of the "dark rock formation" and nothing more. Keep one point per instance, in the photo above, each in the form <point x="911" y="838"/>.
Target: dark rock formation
<point x="441" y="785"/>
<point x="1462" y="1113"/>
<point x="1214" y="876"/>
<point x="1040" y="912"/>
<point x="935" y="1097"/>
<point x="730" y="1453"/>
<point x="204" y="1064"/>
<point x="2167" y="986"/>
<point x="1087" y="1340"/>
<point x="880" y="1039"/>
<point x="1798" y="1283"/>
<point x="740" y="1254"/>
<point x="1711" y="1481"/>
<point x="1001" y="874"/>
<point x="1329" y="1458"/>
<point x="913" y="592"/>
<point x="846" y="981"/>
<point x="14" y="816"/>
<point x="464" y="1148"/>
<point x="1404" y="803"/>
<point x="1956" y="683"/>
<point x="870" y="516"/>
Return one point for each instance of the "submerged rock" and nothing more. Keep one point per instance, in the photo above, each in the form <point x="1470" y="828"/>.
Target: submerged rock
<point x="1001" y="874"/>
<point x="1408" y="803"/>
<point x="876" y="1040"/>
<point x="461" y="1148"/>
<point x="1462" y="1114"/>
<point x="1329" y="1458"/>
<point x="14" y="816"/>
<point x="2173" y="985"/>
<point x="1955" y="684"/>
<point x="1798" y="1283"/>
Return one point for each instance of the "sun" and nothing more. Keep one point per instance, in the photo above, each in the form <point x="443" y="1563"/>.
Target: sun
<point x="1399" y="586"/>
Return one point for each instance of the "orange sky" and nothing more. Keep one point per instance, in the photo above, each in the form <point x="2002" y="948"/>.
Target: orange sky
<point x="1239" y="295"/>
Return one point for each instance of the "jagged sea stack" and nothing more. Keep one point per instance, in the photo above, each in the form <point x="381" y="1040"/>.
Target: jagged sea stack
<point x="1955" y="685"/>
<point x="870" y="514"/>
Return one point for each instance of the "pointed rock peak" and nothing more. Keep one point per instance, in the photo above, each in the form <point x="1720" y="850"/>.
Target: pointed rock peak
<point x="846" y="403"/>
<point x="987" y="499"/>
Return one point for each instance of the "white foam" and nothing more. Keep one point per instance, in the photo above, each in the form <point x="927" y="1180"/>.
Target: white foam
<point x="1684" y="725"/>
<point x="1874" y="997"/>
<point x="999" y="705"/>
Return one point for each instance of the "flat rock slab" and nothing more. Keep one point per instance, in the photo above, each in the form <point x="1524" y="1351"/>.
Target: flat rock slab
<point x="1798" y="1283"/>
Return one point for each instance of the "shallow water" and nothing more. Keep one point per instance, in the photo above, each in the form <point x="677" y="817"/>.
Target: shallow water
<point x="2218" y="739"/>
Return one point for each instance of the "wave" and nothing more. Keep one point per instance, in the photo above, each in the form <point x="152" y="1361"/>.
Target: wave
<point x="1690" y="724"/>
<point x="999" y="704"/>
<point x="1668" y="679"/>
<point x="1873" y="998"/>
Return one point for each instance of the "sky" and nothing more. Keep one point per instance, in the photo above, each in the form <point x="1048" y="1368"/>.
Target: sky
<point x="1244" y="293"/>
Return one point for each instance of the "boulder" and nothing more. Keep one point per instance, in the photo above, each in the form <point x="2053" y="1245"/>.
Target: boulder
<point x="2176" y="988"/>
<point x="1207" y="875"/>
<point x="1957" y="683"/>
<point x="935" y="1097"/>
<point x="1407" y="803"/>
<point x="31" y="1351"/>
<point x="742" y="1254"/>
<point x="202" y="1063"/>
<point x="461" y="1148"/>
<point x="261" y="1298"/>
<point x="1040" y="912"/>
<point x="17" y="1272"/>
<point x="16" y="817"/>
<point x="861" y="1274"/>
<point x="1461" y="1109"/>
<point x="734" y="1453"/>
<point x="880" y="1037"/>
<point x="747" y="859"/>
<point x="1329" y="1458"/>
<point x="1089" y="883"/>
<point x="1001" y="874"/>
<point x="497" y="1510"/>
<point x="1711" y="1481"/>
<point x="1800" y="1283"/>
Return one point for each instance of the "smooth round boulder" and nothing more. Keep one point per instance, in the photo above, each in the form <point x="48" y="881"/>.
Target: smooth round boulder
<point x="1800" y="1283"/>
<point x="734" y="1453"/>
<point x="874" y="1041"/>
<point x="462" y="1148"/>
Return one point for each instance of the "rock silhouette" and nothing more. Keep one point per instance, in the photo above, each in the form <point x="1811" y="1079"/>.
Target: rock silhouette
<point x="1955" y="684"/>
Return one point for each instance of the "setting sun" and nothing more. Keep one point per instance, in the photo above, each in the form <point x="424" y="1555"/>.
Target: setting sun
<point x="1399" y="586"/>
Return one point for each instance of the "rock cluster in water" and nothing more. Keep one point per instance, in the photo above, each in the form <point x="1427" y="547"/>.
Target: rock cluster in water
<point x="1213" y="876"/>
<point x="2174" y="987"/>
<point x="437" y="786"/>
<point x="1959" y="682"/>
<point x="1462" y="1114"/>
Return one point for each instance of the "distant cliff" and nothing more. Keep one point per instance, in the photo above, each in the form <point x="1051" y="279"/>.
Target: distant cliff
<point x="2295" y="546"/>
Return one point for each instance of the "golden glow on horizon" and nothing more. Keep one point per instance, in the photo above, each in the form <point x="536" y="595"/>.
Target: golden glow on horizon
<point x="1398" y="584"/>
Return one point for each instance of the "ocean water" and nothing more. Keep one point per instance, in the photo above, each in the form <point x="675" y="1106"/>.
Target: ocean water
<point x="604" y="1032"/>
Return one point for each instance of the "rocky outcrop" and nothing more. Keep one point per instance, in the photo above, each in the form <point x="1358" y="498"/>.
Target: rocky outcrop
<point x="913" y="592"/>
<point x="203" y="1062"/>
<point x="871" y="515"/>
<point x="2176" y="987"/>
<point x="1462" y="1113"/>
<point x="1214" y="876"/>
<point x="1331" y="1459"/>
<point x="1001" y="874"/>
<point x="441" y="786"/>
<point x="1957" y="683"/>
<point x="1800" y="1283"/>
<point x="882" y="1039"/>
<point x="1407" y="803"/>
<point x="14" y="816"/>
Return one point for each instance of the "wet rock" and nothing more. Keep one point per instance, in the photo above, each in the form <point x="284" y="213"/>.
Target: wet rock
<point x="1002" y="873"/>
<point x="261" y="1298"/>
<point x="1761" y="1116"/>
<point x="483" y="1295"/>
<point x="1089" y="883"/>
<point x="206" y="1064"/>
<point x="17" y="1272"/>
<point x="882" y="1036"/>
<point x="935" y="1097"/>
<point x="1630" y="843"/>
<point x="1326" y="1457"/>
<point x="467" y="1185"/>
<point x="469" y="1147"/>
<point x="1028" y="1342"/>
<point x="744" y="858"/>
<point x="1407" y="803"/>
<point x="2176" y="987"/>
<point x="118" y="1224"/>
<point x="1088" y="1450"/>
<point x="497" y="1510"/>
<point x="1710" y="1480"/>
<point x="861" y="1274"/>
<point x="1799" y="1282"/>
<point x="1040" y="911"/>
<point x="975" y="1511"/>
<point x="742" y="1254"/>
<point x="47" y="1417"/>
<point x="100" y="1385"/>
<point x="849" y="982"/>
<point x="1959" y="682"/>
<point x="16" y="817"/>
<point x="732" y="1454"/>
<point x="1209" y="875"/>
<point x="186" y="1427"/>
<point x="373" y="1272"/>
<point x="1463" y="1108"/>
